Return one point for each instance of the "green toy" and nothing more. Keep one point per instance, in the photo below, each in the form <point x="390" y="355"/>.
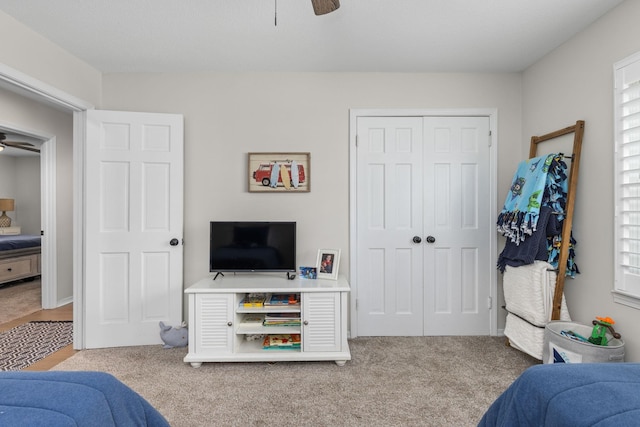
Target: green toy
<point x="599" y="332"/>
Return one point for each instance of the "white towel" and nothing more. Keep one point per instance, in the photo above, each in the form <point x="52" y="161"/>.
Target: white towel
<point x="529" y="290"/>
<point x="528" y="294"/>
<point x="524" y="337"/>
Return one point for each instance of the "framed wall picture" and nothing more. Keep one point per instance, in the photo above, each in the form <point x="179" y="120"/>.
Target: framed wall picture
<point x="328" y="263"/>
<point x="279" y="172"/>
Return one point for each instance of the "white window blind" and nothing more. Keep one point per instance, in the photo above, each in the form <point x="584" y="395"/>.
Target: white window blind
<point x="627" y="180"/>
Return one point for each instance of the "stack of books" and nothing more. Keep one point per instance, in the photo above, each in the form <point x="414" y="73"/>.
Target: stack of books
<point x="282" y="300"/>
<point x="251" y="319"/>
<point x="281" y="342"/>
<point x="282" y="319"/>
<point x="254" y="300"/>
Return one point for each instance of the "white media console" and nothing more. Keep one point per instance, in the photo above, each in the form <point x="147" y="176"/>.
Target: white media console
<point x="217" y="332"/>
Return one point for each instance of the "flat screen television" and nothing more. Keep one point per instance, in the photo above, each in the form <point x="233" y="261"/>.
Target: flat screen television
<point x="252" y="246"/>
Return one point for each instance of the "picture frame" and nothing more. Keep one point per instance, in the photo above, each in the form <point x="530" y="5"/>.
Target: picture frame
<point x="308" y="272"/>
<point x="271" y="172"/>
<point x="328" y="263"/>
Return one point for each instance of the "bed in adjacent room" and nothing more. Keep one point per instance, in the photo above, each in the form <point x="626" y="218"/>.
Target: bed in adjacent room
<point x="570" y="394"/>
<point x="19" y="257"/>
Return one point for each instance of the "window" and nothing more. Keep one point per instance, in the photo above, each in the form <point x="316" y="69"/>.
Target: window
<point x="627" y="180"/>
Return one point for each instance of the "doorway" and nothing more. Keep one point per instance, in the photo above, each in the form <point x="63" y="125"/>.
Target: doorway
<point x="47" y="203"/>
<point x="422" y="243"/>
<point x="21" y="84"/>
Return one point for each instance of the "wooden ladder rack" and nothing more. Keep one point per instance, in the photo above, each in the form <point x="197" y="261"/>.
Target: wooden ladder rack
<point x="578" y="131"/>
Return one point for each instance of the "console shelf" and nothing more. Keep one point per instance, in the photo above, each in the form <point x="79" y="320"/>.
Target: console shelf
<point x="217" y="332"/>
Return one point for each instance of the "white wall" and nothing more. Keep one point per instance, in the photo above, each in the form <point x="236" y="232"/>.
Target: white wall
<point x="7" y="177"/>
<point x="576" y="82"/>
<point x="27" y="114"/>
<point x="7" y="181"/>
<point x="28" y="52"/>
<point x="27" y="186"/>
<point x="230" y="115"/>
<point x="20" y="180"/>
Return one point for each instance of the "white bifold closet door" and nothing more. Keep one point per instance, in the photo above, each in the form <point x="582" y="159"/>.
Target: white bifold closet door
<point x="423" y="226"/>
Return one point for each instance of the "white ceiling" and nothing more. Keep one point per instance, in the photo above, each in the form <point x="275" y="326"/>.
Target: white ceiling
<point x="361" y="36"/>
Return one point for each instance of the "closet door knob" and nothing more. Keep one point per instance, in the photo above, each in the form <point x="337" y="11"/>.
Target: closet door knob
<point x="174" y="242"/>
<point x="417" y="239"/>
<point x="229" y="323"/>
<point x="431" y="239"/>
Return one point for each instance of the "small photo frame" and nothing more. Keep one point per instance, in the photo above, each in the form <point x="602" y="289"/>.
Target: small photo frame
<point x="279" y="172"/>
<point x="328" y="263"/>
<point x="308" y="272"/>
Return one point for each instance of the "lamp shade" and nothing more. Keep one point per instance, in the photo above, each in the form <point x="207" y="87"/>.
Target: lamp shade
<point x="7" y="204"/>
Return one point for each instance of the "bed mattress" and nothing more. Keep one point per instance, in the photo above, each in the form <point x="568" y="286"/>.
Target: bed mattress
<point x="21" y="241"/>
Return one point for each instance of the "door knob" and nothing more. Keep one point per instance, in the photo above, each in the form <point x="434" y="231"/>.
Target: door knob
<point x="431" y="239"/>
<point x="174" y="242"/>
<point x="417" y="239"/>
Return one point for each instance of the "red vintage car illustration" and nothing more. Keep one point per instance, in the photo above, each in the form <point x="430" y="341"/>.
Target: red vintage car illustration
<point x="266" y="175"/>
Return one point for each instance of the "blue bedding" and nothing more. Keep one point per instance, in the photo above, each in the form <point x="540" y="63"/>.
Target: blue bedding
<point x="578" y="394"/>
<point x="20" y="241"/>
<point x="57" y="398"/>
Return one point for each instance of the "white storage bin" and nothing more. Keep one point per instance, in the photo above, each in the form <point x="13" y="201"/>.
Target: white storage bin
<point x="558" y="348"/>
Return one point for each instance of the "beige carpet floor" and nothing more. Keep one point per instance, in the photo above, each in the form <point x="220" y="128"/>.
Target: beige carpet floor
<point x="19" y="299"/>
<point x="390" y="381"/>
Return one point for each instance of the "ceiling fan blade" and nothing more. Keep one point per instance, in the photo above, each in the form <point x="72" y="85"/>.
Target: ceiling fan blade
<point x="15" y="143"/>
<point x="21" y="145"/>
<point x="322" y="7"/>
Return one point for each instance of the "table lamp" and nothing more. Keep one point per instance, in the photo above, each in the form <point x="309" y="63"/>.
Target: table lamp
<point x="6" y="205"/>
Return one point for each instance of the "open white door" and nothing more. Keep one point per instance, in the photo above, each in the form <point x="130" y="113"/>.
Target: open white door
<point x="133" y="192"/>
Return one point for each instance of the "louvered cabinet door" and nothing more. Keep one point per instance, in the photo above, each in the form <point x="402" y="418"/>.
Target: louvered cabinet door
<point x="321" y="330"/>
<point x="212" y="331"/>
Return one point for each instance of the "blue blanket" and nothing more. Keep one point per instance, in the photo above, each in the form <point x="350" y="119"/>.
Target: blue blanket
<point x="521" y="209"/>
<point x="534" y="247"/>
<point x="56" y="398"/>
<point x="580" y="394"/>
<point x="537" y="223"/>
<point x="20" y="241"/>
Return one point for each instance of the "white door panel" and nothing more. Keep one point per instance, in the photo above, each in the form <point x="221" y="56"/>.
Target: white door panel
<point x="133" y="190"/>
<point x="457" y="264"/>
<point x="389" y="164"/>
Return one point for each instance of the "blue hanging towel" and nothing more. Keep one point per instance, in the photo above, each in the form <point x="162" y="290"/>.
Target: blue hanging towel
<point x="519" y="216"/>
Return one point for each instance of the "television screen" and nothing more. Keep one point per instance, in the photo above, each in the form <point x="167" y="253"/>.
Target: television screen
<point x="252" y="246"/>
